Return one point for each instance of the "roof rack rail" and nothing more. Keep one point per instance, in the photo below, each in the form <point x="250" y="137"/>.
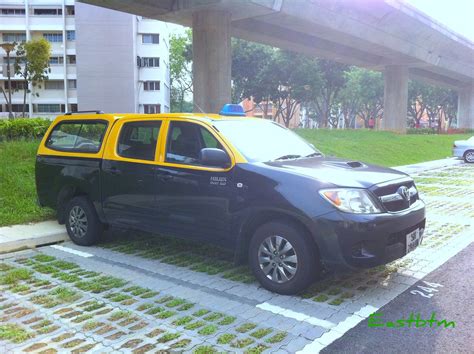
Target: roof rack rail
<point x="79" y="112"/>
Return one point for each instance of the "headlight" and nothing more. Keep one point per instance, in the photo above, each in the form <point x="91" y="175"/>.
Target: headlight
<point x="357" y="201"/>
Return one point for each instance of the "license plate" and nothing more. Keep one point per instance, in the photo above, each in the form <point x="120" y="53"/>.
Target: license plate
<point x="413" y="240"/>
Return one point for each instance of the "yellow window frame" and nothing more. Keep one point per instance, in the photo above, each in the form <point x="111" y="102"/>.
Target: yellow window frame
<point x="111" y="153"/>
<point x="227" y="148"/>
<point x="46" y="151"/>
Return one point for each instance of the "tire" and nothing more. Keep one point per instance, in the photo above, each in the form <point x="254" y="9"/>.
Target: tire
<point x="82" y="223"/>
<point x="304" y="260"/>
<point x="469" y="156"/>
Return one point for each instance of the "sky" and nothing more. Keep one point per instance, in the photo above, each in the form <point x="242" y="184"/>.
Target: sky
<point x="458" y="15"/>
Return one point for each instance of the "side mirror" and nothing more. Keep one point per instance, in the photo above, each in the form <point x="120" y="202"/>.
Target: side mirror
<point x="214" y="157"/>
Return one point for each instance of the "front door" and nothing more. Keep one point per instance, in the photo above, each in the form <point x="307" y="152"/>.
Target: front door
<point x="193" y="201"/>
<point x="128" y="182"/>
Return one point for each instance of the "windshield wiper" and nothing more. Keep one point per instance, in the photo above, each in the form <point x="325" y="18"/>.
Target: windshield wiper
<point x="287" y="157"/>
<point x="314" y="154"/>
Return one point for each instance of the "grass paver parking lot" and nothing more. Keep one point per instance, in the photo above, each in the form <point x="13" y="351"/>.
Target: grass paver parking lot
<point x="54" y="301"/>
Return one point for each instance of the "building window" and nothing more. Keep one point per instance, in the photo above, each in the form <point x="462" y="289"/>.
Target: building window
<point x="54" y="85"/>
<point x="16" y="85"/>
<point x="71" y="59"/>
<point x="71" y="35"/>
<point x="18" y="108"/>
<point x="48" y="108"/>
<point x="56" y="60"/>
<point x="148" y="62"/>
<point x="151" y="85"/>
<point x="13" y="12"/>
<point x="73" y="107"/>
<point x="14" y="37"/>
<point x="70" y="11"/>
<point x="72" y="84"/>
<point x="53" y="37"/>
<point x="48" y="12"/>
<point x="152" y="108"/>
<point x="150" y="38"/>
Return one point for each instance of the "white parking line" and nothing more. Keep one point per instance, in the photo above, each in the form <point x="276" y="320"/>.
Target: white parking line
<point x="338" y="331"/>
<point x="70" y="250"/>
<point x="295" y="315"/>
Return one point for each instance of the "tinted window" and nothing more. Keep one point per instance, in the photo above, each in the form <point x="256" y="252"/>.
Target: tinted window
<point x="138" y="140"/>
<point x="77" y="136"/>
<point x="185" y="141"/>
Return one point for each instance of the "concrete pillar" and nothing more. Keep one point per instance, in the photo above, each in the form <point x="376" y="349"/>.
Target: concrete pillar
<point x="466" y="108"/>
<point x="212" y="55"/>
<point x="395" y="98"/>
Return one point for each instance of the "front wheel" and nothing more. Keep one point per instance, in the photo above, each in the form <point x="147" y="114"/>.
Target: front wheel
<point x="82" y="223"/>
<point x="469" y="156"/>
<point x="282" y="258"/>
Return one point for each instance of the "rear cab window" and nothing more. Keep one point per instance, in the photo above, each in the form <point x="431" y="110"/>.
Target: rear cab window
<point x="138" y="140"/>
<point x="77" y="136"/>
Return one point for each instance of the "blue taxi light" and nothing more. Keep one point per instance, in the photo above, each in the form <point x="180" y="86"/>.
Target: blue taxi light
<point x="233" y="110"/>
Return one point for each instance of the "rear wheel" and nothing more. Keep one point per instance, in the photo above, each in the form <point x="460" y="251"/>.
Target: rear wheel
<point x="282" y="258"/>
<point x="469" y="156"/>
<point x="82" y="223"/>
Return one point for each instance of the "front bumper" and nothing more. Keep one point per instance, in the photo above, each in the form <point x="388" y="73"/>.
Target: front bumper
<point x="459" y="152"/>
<point x="351" y="241"/>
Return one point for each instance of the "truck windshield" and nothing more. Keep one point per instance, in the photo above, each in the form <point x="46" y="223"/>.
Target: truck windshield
<point x="264" y="140"/>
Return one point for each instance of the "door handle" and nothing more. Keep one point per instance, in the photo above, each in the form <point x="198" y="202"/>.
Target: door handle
<point x="114" y="171"/>
<point x="165" y="178"/>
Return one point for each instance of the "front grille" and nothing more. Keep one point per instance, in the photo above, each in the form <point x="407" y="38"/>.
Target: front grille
<point x="392" y="200"/>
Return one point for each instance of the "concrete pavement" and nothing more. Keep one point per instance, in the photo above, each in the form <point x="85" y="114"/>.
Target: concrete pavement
<point x="17" y="237"/>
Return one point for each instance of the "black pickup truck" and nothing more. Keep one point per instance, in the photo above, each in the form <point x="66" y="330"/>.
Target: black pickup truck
<point x="242" y="183"/>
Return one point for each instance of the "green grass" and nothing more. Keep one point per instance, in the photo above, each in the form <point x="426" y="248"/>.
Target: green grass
<point x="17" y="189"/>
<point x="382" y="148"/>
<point x="14" y="333"/>
<point x="13" y="276"/>
<point x="17" y="164"/>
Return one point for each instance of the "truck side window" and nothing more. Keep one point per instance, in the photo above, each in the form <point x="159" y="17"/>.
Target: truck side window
<point x="77" y="136"/>
<point x="185" y="141"/>
<point x="138" y="140"/>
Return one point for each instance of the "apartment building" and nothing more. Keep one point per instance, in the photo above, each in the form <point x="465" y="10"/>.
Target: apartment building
<point x="101" y="59"/>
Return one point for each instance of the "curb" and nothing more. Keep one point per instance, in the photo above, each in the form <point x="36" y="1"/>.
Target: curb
<point x="19" y="237"/>
<point x="429" y="165"/>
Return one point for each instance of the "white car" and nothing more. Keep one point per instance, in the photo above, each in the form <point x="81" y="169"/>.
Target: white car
<point x="464" y="149"/>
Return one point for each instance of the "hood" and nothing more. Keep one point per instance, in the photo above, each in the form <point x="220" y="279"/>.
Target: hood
<point x="342" y="173"/>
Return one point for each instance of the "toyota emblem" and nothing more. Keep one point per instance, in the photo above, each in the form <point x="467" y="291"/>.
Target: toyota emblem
<point x="404" y="193"/>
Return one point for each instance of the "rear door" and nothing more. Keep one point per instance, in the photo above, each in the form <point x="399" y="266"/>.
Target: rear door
<point x="128" y="174"/>
<point x="193" y="200"/>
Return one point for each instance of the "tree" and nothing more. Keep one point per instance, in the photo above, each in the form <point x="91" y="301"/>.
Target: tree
<point x="8" y="48"/>
<point x="368" y="87"/>
<point x="181" y="77"/>
<point x="32" y="64"/>
<point x="296" y="82"/>
<point x="437" y="103"/>
<point x="324" y="106"/>
<point x="251" y="62"/>
<point x="418" y="94"/>
<point x="267" y="74"/>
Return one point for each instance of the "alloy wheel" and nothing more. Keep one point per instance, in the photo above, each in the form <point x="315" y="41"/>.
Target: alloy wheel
<point x="277" y="259"/>
<point x="78" y="221"/>
<point x="470" y="156"/>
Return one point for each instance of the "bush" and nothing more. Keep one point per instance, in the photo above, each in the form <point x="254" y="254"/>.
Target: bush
<point x="429" y="131"/>
<point x="23" y="128"/>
